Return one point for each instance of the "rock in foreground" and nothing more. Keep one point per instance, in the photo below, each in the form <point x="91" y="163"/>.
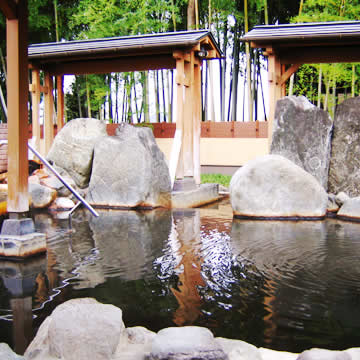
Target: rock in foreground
<point x="185" y="343"/>
<point x="79" y="329"/>
<point x="274" y="187"/>
<point x="84" y="329"/>
<point x="129" y="170"/>
<point x="302" y="133"/>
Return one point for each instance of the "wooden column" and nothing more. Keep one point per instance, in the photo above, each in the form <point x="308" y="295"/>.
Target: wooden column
<point x="275" y="91"/>
<point x="188" y="134"/>
<point x="49" y="112"/>
<point x="197" y="120"/>
<point x="35" y="96"/>
<point x="60" y="102"/>
<point x="283" y="84"/>
<point x="17" y="99"/>
<point x="179" y="56"/>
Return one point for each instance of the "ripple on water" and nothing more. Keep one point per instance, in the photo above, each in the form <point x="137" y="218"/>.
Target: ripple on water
<point x="281" y="284"/>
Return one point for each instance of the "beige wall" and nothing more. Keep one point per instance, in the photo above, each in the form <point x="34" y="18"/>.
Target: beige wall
<point x="223" y="151"/>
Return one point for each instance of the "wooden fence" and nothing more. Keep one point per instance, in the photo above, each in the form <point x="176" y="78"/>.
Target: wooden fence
<point x="209" y="129"/>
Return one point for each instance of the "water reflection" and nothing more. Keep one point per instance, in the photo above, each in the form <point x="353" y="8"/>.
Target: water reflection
<point x="126" y="241"/>
<point x="187" y="233"/>
<point x="311" y="274"/>
<point x="22" y="281"/>
<point x="284" y="285"/>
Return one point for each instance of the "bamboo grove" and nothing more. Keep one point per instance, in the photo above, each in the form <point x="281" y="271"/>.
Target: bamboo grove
<point x="148" y="96"/>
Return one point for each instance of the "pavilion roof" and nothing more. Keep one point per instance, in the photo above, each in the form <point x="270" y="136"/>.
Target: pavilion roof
<point x="336" y="31"/>
<point x="46" y="55"/>
<point x="326" y="42"/>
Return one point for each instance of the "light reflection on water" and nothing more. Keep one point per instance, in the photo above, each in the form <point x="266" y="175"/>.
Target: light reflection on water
<point x="283" y="285"/>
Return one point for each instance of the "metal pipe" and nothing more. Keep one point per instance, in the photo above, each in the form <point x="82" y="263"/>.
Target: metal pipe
<point x="76" y="194"/>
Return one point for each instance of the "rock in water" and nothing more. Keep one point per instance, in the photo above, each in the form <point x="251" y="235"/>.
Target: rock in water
<point x="274" y="187"/>
<point x="344" y="172"/>
<point x="73" y="148"/>
<point x="129" y="170"/>
<point x="302" y="133"/>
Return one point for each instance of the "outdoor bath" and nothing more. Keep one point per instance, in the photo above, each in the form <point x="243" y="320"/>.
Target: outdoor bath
<point x="283" y="285"/>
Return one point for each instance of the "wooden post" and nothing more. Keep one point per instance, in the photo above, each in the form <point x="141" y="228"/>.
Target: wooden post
<point x="49" y="113"/>
<point x="180" y="107"/>
<point x="188" y="134"/>
<point x="274" y="88"/>
<point x="283" y="85"/>
<point x="197" y="120"/>
<point x="17" y="99"/>
<point x="60" y="102"/>
<point x="35" y="95"/>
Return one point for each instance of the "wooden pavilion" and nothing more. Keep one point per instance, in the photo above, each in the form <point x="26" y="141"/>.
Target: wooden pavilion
<point x="183" y="51"/>
<point x="289" y="46"/>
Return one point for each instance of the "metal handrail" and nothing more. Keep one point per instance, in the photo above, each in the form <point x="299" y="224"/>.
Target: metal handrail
<point x="75" y="193"/>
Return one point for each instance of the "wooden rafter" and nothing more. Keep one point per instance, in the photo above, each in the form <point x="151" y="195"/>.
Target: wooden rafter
<point x="9" y="9"/>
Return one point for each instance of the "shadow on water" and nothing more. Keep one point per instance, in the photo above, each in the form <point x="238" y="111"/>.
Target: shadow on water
<point x="283" y="285"/>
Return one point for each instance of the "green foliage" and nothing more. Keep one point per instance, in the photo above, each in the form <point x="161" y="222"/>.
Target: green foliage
<point x="106" y="18"/>
<point x="147" y="125"/>
<point x="333" y="75"/>
<point x="216" y="179"/>
<point x="329" y="10"/>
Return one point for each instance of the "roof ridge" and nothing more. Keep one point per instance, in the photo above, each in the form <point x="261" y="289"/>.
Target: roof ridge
<point x="170" y="33"/>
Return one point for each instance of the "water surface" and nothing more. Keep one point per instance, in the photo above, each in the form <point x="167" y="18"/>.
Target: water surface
<point x="284" y="285"/>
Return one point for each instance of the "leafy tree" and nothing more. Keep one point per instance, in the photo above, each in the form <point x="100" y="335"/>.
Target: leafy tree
<point x="336" y="77"/>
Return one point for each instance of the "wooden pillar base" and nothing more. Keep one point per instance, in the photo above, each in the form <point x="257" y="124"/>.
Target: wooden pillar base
<point x="186" y="184"/>
<point x="18" y="238"/>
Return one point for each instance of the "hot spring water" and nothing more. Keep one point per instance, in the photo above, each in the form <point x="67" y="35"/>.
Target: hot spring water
<point x="279" y="284"/>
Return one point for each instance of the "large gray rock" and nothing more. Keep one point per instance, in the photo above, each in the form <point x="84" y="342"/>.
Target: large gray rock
<point x="73" y="147"/>
<point x="7" y="354"/>
<point x="344" y="172"/>
<point x="350" y="209"/>
<point x="302" y="134"/>
<point x="185" y="343"/>
<point x="79" y="329"/>
<point x="129" y="170"/>
<point x="272" y="186"/>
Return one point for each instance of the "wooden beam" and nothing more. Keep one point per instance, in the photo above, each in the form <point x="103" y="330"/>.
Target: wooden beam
<point x="35" y="97"/>
<point x="49" y="113"/>
<point x="42" y="89"/>
<point x="274" y="76"/>
<point x="9" y="9"/>
<point x="130" y="63"/>
<point x="17" y="96"/>
<point x="60" y="102"/>
<point x="320" y="54"/>
<point x="286" y="75"/>
<point x="211" y="54"/>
